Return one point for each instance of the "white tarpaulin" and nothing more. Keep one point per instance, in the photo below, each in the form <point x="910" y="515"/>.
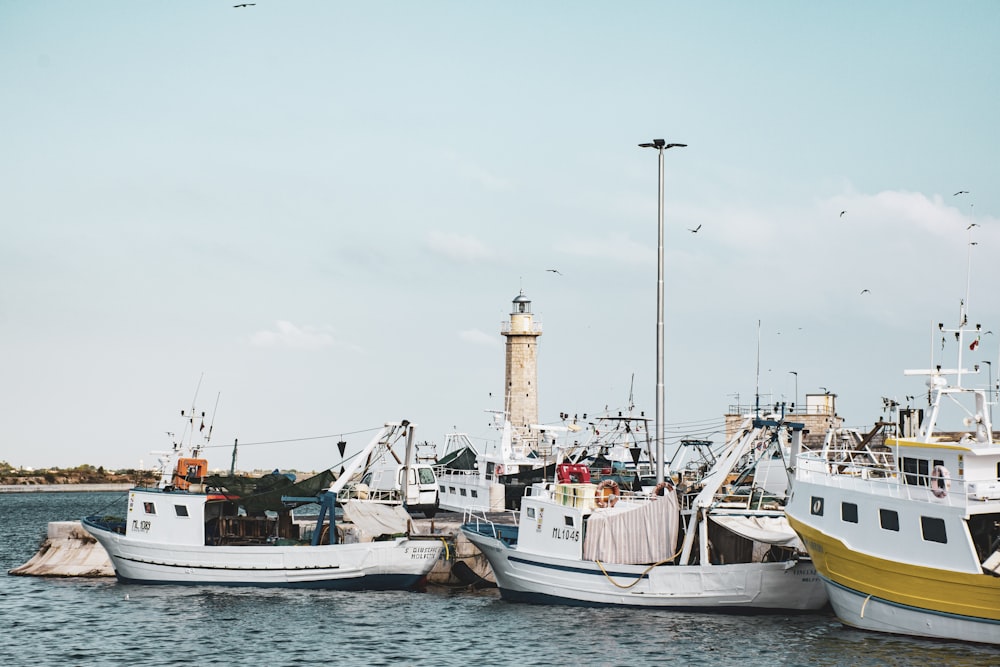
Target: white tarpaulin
<point x="767" y="529"/>
<point x="374" y="519"/>
<point x="644" y="533"/>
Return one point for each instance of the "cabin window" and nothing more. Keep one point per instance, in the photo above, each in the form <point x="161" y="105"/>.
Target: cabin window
<point x="462" y="492"/>
<point x="475" y="493"/>
<point x="933" y="529"/>
<point x="150" y="508"/>
<point x="816" y="507"/>
<point x="426" y="475"/>
<point x="452" y="489"/>
<point x="531" y="512"/>
<point x="181" y="510"/>
<point x="889" y="519"/>
<point x="915" y="471"/>
<point x="443" y="488"/>
<point x="568" y="520"/>
<point x="849" y="512"/>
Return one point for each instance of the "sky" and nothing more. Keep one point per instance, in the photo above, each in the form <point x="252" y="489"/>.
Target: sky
<point x="310" y="218"/>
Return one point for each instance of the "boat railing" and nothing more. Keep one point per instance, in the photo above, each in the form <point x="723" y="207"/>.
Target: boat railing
<point x="876" y="472"/>
<point x="442" y="471"/>
<point x="464" y="476"/>
<point x="382" y="495"/>
<point x="751" y="497"/>
<point x="583" y="495"/>
<point x="484" y="524"/>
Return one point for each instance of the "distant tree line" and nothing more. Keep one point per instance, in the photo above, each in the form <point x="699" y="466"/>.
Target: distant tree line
<point x="81" y="474"/>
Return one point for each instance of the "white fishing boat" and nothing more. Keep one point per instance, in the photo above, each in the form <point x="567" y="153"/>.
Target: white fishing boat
<point x="617" y="448"/>
<point x="492" y="477"/>
<point x="724" y="545"/>
<point x="904" y="523"/>
<point x="193" y="528"/>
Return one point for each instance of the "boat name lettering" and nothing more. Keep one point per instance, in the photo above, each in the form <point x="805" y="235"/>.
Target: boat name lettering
<point x="141" y="526"/>
<point x="566" y="534"/>
<point x="814" y="547"/>
<point x="423" y="553"/>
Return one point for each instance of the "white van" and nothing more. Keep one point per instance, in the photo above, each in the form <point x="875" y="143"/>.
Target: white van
<point x="421" y="490"/>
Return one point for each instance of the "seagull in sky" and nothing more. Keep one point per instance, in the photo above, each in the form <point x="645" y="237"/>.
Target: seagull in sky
<point x="246" y="4"/>
<point x="866" y="291"/>
<point x="555" y="271"/>
<point x="695" y="230"/>
<point x="961" y="192"/>
<point x="971" y="225"/>
<point x="842" y="213"/>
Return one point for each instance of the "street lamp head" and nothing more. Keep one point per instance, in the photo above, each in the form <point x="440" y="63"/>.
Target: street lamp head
<point x="661" y="144"/>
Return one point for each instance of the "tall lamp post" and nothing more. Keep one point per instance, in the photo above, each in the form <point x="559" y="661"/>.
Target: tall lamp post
<point x="660" y="145"/>
<point x="795" y="373"/>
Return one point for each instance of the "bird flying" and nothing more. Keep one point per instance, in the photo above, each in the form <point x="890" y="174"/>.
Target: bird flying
<point x="971" y="225"/>
<point x="555" y="271"/>
<point x="961" y="192"/>
<point x="866" y="291"/>
<point x="246" y="4"/>
<point x="695" y="230"/>
<point x="842" y="213"/>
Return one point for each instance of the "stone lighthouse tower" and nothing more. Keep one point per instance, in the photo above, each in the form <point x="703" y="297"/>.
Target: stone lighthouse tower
<point x="521" y="386"/>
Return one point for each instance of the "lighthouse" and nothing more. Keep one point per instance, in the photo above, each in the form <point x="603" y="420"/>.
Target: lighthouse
<point x="521" y="377"/>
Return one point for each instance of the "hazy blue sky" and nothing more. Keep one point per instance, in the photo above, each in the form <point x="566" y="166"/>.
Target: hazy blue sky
<point x="326" y="208"/>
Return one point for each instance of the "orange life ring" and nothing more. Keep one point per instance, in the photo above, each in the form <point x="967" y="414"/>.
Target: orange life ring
<point x="940" y="481"/>
<point x="607" y="493"/>
<point x="661" y="489"/>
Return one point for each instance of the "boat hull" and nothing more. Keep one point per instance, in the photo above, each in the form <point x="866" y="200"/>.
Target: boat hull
<point x="748" y="587"/>
<point x="392" y="564"/>
<point x="872" y="593"/>
<point x="867" y="612"/>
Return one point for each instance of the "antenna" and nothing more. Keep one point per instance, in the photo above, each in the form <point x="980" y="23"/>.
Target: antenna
<point x="968" y="277"/>
<point x="964" y="310"/>
<point x="211" y="424"/>
<point x="757" y="387"/>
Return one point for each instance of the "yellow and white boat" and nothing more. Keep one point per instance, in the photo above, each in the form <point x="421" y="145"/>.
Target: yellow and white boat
<point x="903" y="523"/>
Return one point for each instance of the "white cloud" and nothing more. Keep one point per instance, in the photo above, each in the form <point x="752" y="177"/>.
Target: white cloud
<point x="287" y="334"/>
<point x="457" y="247"/>
<point x="478" y="337"/>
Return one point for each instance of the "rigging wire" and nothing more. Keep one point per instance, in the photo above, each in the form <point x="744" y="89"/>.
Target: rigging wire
<point x="315" y="437"/>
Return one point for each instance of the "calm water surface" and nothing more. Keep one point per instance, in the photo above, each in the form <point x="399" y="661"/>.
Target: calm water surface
<point x="90" y="622"/>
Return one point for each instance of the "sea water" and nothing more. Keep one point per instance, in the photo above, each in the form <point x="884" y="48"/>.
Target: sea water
<point x="101" y="622"/>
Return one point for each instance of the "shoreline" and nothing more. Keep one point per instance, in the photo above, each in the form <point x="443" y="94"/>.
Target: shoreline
<point x="55" y="488"/>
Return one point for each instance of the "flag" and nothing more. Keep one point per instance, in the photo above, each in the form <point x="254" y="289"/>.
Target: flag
<point x="974" y="343"/>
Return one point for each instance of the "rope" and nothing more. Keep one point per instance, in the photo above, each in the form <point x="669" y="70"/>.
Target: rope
<point x="641" y="575"/>
<point x="111" y="502"/>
